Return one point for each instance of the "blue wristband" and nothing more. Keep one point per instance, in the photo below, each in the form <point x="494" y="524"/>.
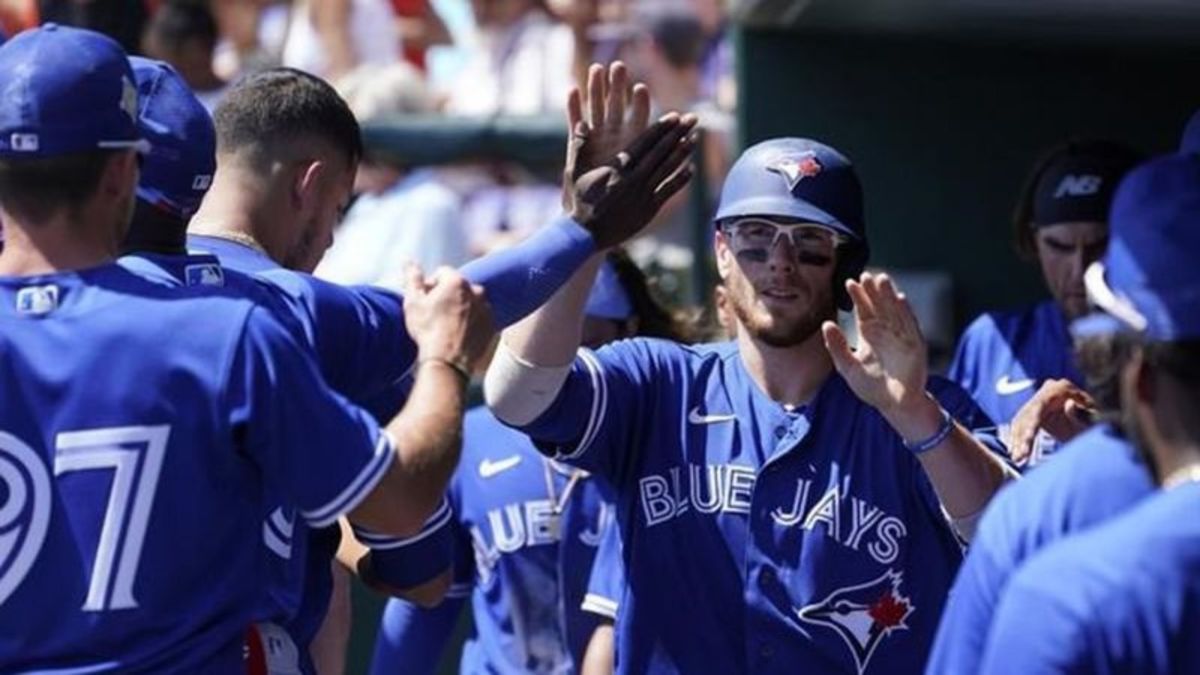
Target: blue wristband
<point x="936" y="439"/>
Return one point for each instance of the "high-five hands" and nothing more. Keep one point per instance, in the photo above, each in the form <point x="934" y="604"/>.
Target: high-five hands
<point x="618" y="171"/>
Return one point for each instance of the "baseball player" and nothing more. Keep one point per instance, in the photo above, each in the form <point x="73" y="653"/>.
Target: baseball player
<point x="1060" y="221"/>
<point x="359" y="338"/>
<point x="783" y="501"/>
<point x="141" y="425"/>
<point x="1124" y="597"/>
<point x="1094" y="477"/>
<point x="527" y="529"/>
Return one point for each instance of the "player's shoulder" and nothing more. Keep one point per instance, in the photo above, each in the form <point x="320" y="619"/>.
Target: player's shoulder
<point x="1008" y="324"/>
<point x="665" y="351"/>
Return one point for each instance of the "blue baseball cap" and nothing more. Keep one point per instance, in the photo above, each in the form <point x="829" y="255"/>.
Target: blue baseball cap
<point x="1148" y="281"/>
<point x="65" y="90"/>
<point x="795" y="178"/>
<point x="179" y="168"/>
<point x="608" y="299"/>
<point x="1190" y="142"/>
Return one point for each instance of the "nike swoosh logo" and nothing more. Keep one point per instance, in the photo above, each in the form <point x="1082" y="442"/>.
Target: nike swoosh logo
<point x="695" y="417"/>
<point x="488" y="468"/>
<point x="1005" y="386"/>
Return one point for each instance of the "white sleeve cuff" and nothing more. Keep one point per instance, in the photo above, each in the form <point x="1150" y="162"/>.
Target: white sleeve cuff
<point x="517" y="391"/>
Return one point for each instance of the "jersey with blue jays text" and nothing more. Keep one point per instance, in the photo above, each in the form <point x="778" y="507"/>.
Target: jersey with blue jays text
<point x="1004" y="357"/>
<point x="527" y="530"/>
<point x="141" y="428"/>
<point x="1094" y="477"/>
<point x="809" y="536"/>
<point x="1123" y="597"/>
<point x="606" y="585"/>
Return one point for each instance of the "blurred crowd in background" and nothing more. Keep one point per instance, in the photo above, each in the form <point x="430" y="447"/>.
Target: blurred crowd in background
<point x="464" y="58"/>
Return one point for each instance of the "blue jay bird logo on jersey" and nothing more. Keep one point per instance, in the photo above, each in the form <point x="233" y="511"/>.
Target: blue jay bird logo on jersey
<point x="863" y="615"/>
<point x="797" y="168"/>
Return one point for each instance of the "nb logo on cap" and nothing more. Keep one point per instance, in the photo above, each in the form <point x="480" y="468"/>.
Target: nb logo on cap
<point x="24" y="142"/>
<point x="202" y="181"/>
<point x="37" y="300"/>
<point x="1078" y="186"/>
<point x="129" y="99"/>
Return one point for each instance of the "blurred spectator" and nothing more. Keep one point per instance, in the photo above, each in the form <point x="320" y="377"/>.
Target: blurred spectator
<point x="16" y="16"/>
<point x="403" y="213"/>
<point x="420" y="28"/>
<point x="520" y="64"/>
<point x="668" y="55"/>
<point x="249" y="42"/>
<point x="184" y="34"/>
<point x="330" y="38"/>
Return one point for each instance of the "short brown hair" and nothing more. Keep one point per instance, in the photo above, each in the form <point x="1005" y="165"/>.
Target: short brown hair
<point x="269" y="112"/>
<point x="33" y="190"/>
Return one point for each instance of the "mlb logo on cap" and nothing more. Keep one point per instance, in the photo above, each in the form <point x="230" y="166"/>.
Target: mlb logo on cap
<point x="65" y="90"/>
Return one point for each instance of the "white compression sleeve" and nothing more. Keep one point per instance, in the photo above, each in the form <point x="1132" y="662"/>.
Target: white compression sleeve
<point x="518" y="391"/>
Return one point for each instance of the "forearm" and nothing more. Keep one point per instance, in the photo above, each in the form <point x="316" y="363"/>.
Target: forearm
<point x="551" y="335"/>
<point x="964" y="473"/>
<point x="520" y="279"/>
<point x="428" y="437"/>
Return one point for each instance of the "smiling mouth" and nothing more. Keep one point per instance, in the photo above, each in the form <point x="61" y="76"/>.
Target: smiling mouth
<point x="779" y="294"/>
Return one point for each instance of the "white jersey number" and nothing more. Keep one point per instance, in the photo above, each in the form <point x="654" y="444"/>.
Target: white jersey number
<point x="134" y="455"/>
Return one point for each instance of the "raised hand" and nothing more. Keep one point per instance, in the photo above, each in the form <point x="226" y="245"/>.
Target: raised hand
<point x="618" y="172"/>
<point x="609" y="115"/>
<point x="448" y="318"/>
<point x="888" y="370"/>
<point x="1061" y="408"/>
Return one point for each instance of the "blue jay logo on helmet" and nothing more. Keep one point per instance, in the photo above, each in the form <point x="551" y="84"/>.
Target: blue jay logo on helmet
<point x="796" y="169"/>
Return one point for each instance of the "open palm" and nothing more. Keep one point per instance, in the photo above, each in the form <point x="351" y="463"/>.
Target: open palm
<point x="888" y="368"/>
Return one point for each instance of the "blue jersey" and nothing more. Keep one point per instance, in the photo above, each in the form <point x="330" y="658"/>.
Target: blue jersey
<point x="1095" y="477"/>
<point x="1123" y="597"/>
<point x="141" y="427"/>
<point x="527" y="530"/>
<point x="606" y="584"/>
<point x="809" y="536"/>
<point x="1004" y="357"/>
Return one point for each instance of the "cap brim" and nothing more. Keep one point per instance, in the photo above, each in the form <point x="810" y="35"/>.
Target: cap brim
<point x="1097" y="324"/>
<point x="797" y="209"/>
<point x="1119" y="308"/>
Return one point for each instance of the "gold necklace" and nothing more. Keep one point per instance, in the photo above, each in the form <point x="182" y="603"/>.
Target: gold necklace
<point x="237" y="238"/>
<point x="1184" y="474"/>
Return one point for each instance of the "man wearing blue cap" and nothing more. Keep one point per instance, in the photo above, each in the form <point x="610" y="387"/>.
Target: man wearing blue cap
<point x="141" y="425"/>
<point x="785" y="499"/>
<point x="1124" y="597"/>
<point x="527" y="528"/>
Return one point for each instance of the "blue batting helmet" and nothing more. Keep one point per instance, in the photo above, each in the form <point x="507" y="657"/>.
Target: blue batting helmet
<point x="805" y="180"/>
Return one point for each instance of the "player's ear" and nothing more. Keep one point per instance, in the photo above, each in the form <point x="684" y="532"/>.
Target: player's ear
<point x="120" y="175"/>
<point x="306" y="185"/>
<point x="725" y="257"/>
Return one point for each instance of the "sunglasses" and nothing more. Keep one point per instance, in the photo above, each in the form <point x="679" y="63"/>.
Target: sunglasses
<point x="753" y="239"/>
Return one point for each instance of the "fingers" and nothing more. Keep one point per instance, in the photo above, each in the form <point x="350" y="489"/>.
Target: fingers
<point x="618" y="89"/>
<point x="646" y="140"/>
<point x="679" y="155"/>
<point x="838" y="347"/>
<point x="863" y="306"/>
<point x="574" y="109"/>
<point x="670" y="187"/>
<point x="595" y="95"/>
<point x="648" y="163"/>
<point x="891" y="304"/>
<point x="413" y="279"/>
<point x="640" y="116"/>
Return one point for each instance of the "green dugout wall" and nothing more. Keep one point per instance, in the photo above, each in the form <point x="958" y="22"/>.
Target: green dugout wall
<point x="943" y="132"/>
